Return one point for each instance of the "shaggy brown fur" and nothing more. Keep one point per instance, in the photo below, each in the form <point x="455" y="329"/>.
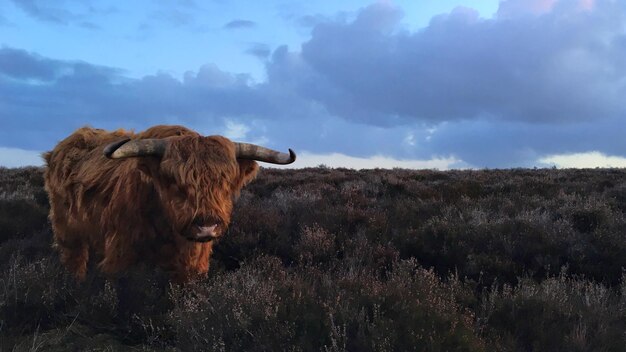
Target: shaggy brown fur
<point x="122" y="211"/>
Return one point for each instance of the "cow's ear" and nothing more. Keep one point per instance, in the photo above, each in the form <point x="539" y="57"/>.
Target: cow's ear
<point x="247" y="171"/>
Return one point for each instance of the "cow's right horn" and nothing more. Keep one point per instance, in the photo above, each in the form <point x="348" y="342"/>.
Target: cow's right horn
<point x="256" y="152"/>
<point x="137" y="147"/>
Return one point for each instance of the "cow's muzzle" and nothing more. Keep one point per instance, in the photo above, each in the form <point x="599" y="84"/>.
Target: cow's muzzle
<point x="203" y="232"/>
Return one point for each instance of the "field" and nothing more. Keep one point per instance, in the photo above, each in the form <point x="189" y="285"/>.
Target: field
<point x="332" y="260"/>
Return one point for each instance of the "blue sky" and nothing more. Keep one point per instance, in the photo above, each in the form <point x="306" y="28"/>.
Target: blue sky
<point x="431" y="83"/>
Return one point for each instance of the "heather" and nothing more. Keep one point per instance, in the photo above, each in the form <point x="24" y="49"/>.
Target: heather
<point x="340" y="260"/>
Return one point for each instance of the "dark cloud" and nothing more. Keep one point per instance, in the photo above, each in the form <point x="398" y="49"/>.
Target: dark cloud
<point x="484" y="143"/>
<point x="42" y="98"/>
<point x="310" y="21"/>
<point x="239" y="24"/>
<point x="89" y="25"/>
<point x="62" y="13"/>
<point x="261" y="51"/>
<point x="19" y="64"/>
<point x="27" y="67"/>
<point x="562" y="66"/>
<point x="42" y="10"/>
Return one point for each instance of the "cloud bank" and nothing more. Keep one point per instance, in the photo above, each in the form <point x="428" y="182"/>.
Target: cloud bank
<point x="584" y="160"/>
<point x="64" y="12"/>
<point x="336" y="160"/>
<point x="14" y="157"/>
<point x="239" y="24"/>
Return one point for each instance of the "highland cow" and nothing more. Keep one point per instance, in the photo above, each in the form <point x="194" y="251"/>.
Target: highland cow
<point x="160" y="196"/>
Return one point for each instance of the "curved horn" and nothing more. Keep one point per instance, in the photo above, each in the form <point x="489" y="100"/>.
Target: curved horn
<point x="255" y="152"/>
<point x="138" y="147"/>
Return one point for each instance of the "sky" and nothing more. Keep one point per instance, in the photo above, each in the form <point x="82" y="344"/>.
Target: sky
<point x="436" y="84"/>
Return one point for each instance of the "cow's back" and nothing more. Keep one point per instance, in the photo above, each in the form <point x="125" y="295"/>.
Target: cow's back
<point x="83" y="146"/>
<point x="79" y="160"/>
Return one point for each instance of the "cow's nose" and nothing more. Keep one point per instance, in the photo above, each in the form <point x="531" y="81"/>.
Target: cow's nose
<point x="205" y="221"/>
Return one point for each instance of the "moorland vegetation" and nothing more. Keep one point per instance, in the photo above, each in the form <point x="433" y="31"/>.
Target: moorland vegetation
<point x="327" y="259"/>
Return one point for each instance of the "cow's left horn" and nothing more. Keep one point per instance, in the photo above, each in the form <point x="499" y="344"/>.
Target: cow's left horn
<point x="255" y="152"/>
<point x="137" y="147"/>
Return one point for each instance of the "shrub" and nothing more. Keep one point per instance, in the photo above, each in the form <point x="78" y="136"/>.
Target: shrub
<point x="558" y="314"/>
